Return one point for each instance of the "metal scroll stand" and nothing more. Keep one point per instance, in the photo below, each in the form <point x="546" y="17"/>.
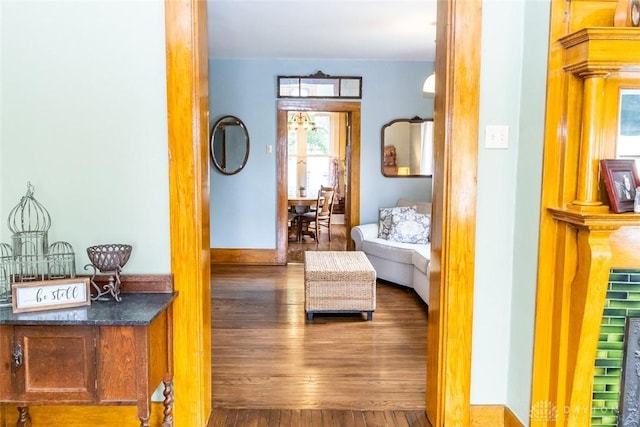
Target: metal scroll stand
<point x="112" y="287"/>
<point x="108" y="259"/>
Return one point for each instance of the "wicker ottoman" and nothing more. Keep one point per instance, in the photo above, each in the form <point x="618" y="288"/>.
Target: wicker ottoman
<point x="338" y="282"/>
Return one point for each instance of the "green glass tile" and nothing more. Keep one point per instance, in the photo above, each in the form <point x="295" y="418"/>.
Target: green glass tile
<point x="615" y="338"/>
<point x="618" y="277"/>
<point x="615" y="312"/>
<point x="619" y="295"/>
<point x="623" y="299"/>
<point x="614" y="372"/>
<point x="626" y="303"/>
<point x="609" y="362"/>
<point x="612" y="406"/>
<point x="611" y="346"/>
<point x="606" y="396"/>
<point x="615" y="354"/>
<point x="617" y="320"/>
<point x="612" y="329"/>
<point x="612" y="388"/>
<point x="624" y="287"/>
<point x="602" y="379"/>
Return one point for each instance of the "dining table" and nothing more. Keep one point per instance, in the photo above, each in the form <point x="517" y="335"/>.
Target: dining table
<point x="300" y="205"/>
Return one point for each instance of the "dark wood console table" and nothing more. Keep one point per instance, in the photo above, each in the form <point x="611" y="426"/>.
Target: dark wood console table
<point x="109" y="353"/>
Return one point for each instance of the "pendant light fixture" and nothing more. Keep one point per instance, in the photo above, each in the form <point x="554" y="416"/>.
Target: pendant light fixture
<point x="429" y="85"/>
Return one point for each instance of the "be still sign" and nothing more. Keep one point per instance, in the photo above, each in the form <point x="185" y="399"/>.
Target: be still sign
<point x="50" y="294"/>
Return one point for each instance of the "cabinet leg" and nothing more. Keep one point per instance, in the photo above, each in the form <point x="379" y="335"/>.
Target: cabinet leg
<point x="24" y="419"/>
<point x="168" y="403"/>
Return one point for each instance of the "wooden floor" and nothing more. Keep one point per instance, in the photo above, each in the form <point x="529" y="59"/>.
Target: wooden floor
<point x="272" y="367"/>
<point x="316" y="417"/>
<point x="295" y="252"/>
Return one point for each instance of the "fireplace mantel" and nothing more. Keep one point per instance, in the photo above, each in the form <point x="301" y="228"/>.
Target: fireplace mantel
<point x="581" y="239"/>
<point x="596" y="220"/>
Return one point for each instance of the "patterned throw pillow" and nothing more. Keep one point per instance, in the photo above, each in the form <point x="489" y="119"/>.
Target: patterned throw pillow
<point x="410" y="228"/>
<point x="385" y="215"/>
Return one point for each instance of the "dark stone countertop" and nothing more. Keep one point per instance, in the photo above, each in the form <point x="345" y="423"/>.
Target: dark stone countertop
<point x="135" y="309"/>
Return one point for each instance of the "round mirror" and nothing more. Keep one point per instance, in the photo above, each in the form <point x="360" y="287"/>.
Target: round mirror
<point x="229" y="145"/>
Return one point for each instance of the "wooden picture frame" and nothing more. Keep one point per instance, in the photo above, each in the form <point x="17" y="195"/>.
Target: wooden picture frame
<point x="50" y="294"/>
<point x="620" y="180"/>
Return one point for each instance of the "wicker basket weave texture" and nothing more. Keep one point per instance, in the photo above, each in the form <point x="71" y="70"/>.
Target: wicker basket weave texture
<point x="339" y="280"/>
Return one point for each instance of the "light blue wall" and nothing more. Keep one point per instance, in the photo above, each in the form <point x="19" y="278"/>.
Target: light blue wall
<point x="84" y="118"/>
<point x="513" y="91"/>
<point x="501" y="73"/>
<point x="527" y="209"/>
<point x="243" y="206"/>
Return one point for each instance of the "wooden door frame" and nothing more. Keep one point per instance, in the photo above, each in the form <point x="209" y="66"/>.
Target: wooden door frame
<point x="352" y="188"/>
<point x="453" y="227"/>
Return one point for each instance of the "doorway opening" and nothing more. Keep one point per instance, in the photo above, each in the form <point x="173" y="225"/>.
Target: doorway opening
<point x="318" y="145"/>
<point x="316" y="167"/>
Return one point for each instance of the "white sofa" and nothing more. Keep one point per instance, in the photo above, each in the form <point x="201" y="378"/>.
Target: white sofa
<point x="405" y="264"/>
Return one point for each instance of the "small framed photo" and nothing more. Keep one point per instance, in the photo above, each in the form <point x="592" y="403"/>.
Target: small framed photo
<point x="620" y="180"/>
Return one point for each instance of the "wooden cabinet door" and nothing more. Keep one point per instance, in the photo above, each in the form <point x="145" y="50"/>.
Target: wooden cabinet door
<point x="54" y="363"/>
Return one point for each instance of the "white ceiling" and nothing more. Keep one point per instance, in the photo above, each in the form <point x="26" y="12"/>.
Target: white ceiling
<point x="399" y="30"/>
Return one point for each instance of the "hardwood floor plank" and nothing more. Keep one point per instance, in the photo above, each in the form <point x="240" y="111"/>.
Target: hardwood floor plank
<point x="231" y="417"/>
<point x="317" y="417"/>
<point x="358" y="419"/>
<point x="274" y="417"/>
<point x="295" y="250"/>
<point x="400" y="419"/>
<point x="270" y="366"/>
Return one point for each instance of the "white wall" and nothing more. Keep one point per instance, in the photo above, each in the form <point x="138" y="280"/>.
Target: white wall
<point x="83" y="118"/>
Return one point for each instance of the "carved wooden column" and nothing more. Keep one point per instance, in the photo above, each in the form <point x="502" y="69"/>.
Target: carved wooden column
<point x="590" y="143"/>
<point x="578" y="47"/>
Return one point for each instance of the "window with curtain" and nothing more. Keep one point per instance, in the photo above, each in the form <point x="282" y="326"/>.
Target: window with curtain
<point x="313" y="152"/>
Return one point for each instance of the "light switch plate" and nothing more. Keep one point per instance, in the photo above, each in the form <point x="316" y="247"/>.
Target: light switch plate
<point x="496" y="137"/>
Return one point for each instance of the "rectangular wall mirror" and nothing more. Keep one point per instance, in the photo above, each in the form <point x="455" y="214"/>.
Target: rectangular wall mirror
<point x="407" y="148"/>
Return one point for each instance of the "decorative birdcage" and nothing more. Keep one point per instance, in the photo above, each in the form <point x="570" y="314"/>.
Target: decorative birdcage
<point x="6" y="265"/>
<point x="31" y="257"/>
<point x="61" y="261"/>
<point x="30" y="222"/>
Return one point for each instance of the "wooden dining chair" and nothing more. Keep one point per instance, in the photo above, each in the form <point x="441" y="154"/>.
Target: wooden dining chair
<point x="320" y="217"/>
<point x="324" y="188"/>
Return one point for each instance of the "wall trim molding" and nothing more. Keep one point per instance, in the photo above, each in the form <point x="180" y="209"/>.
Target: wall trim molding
<point x="245" y="256"/>
<point x="510" y="419"/>
<point x="493" y="416"/>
